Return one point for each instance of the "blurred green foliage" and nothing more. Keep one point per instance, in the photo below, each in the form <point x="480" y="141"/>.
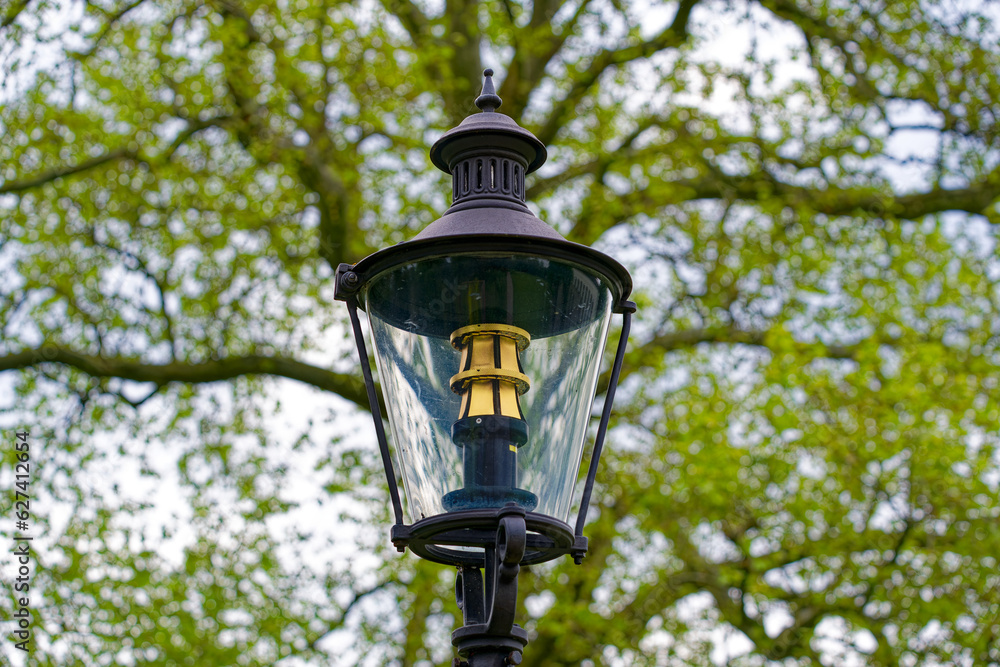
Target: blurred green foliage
<point x="804" y="467"/>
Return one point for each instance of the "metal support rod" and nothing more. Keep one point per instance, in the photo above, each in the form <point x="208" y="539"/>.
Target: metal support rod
<point x="602" y="430"/>
<point x="469" y="594"/>
<point x="383" y="444"/>
<point x="489" y="579"/>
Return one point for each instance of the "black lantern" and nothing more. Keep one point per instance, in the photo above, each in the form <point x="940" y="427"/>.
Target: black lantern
<point x="489" y="329"/>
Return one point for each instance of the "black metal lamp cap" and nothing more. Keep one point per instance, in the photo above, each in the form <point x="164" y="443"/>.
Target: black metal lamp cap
<point x="487" y="133"/>
<point x="488" y="155"/>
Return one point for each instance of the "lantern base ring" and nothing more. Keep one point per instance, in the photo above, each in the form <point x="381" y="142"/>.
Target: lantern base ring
<point x="459" y="538"/>
<point x="488" y="496"/>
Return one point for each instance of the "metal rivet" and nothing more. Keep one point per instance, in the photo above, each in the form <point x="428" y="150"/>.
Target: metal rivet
<point x="350" y="279"/>
<point x="514" y="658"/>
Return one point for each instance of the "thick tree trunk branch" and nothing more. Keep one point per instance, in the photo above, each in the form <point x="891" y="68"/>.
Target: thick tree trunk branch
<point x="344" y="385"/>
<point x="974" y="198"/>
<point x="464" y="41"/>
<point x="712" y="183"/>
<point x="840" y="201"/>
<point x="321" y="166"/>
<point x="414" y="21"/>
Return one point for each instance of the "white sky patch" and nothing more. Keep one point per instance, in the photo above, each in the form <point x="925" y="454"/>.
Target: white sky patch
<point x="22" y="61"/>
<point x="729" y="643"/>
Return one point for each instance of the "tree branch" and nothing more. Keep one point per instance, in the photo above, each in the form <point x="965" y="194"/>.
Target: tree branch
<point x="65" y="170"/>
<point x="12" y="12"/>
<point x="653" y="350"/>
<point x="672" y="36"/>
<point x="112" y="20"/>
<point x="344" y="385"/>
<point x="974" y="198"/>
<point x="336" y="625"/>
<point x="414" y="21"/>
<point x="625" y="152"/>
<point x="193" y="128"/>
<point x="535" y="46"/>
<point x="465" y="64"/>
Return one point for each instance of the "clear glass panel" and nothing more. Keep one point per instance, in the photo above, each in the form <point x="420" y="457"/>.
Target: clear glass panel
<point x="414" y="372"/>
<point x="456" y="453"/>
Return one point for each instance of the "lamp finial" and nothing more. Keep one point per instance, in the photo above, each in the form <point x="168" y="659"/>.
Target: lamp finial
<point x="488" y="100"/>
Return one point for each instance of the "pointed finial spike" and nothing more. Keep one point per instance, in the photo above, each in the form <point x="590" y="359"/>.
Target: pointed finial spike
<point x="488" y="101"/>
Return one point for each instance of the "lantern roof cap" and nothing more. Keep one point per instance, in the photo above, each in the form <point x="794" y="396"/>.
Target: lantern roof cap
<point x="487" y="131"/>
<point x="488" y="155"/>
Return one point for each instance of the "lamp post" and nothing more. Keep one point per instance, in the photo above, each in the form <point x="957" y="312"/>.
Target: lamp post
<point x="488" y="328"/>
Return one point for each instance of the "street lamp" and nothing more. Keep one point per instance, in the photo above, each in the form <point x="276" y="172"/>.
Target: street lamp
<point x="489" y="328"/>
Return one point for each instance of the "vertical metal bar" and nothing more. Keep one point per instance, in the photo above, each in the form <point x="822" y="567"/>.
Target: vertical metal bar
<point x="383" y="444"/>
<point x="602" y="430"/>
<point x="470" y="586"/>
<point x="489" y="577"/>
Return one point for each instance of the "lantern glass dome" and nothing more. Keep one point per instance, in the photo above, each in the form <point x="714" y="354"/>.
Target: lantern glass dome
<point x="489" y="362"/>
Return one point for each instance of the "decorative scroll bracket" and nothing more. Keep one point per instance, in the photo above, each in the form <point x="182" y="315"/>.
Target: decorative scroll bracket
<point x="490" y="637"/>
